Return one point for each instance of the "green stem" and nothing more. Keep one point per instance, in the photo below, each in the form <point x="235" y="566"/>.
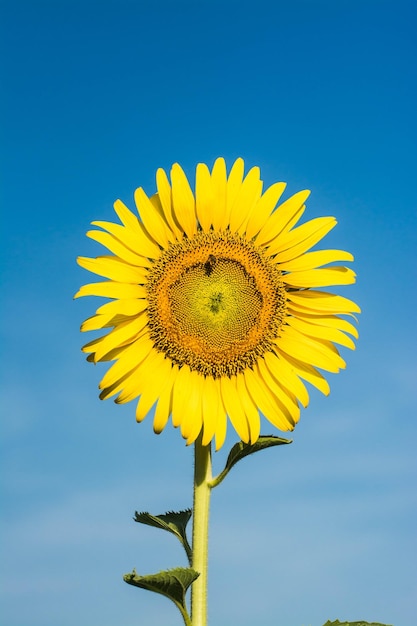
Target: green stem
<point x="202" y="492"/>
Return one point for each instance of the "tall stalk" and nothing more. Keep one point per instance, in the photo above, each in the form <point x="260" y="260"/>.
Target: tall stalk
<point x="201" y="512"/>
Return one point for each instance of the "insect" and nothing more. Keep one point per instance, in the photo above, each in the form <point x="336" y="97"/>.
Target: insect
<point x="210" y="264"/>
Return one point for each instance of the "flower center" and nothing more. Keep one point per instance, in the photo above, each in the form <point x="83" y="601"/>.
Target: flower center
<point x="215" y="303"/>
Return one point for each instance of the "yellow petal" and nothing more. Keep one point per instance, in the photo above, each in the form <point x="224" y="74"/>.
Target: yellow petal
<point x="155" y="200"/>
<point x="128" y="307"/>
<point x="211" y="409"/>
<point x="137" y="240"/>
<point x="110" y="289"/>
<point x="181" y="395"/>
<point x="323" y="345"/>
<point x="128" y="380"/>
<point x="265" y="401"/>
<point x="221" y="424"/>
<point x="292" y="222"/>
<point x="151" y="219"/>
<point x="129" y="359"/>
<point x="234" y="408"/>
<point x="164" y="406"/>
<point x="218" y="185"/>
<point x="96" y="322"/>
<point x="285" y="375"/>
<point x="323" y="301"/>
<point x="280" y="217"/>
<point x="110" y="356"/>
<point x="91" y="346"/>
<point x="118" y="248"/>
<point x="306" y="372"/>
<point x="135" y="383"/>
<point x="191" y="427"/>
<point x="170" y="233"/>
<point x="220" y="435"/>
<point x="113" y="268"/>
<point x="192" y="418"/>
<point x="233" y="185"/>
<point x="321" y="277"/>
<point x="183" y="201"/>
<point x="164" y="192"/>
<point x="246" y="199"/>
<point x="330" y="321"/>
<point x="125" y="215"/>
<point x="123" y="332"/>
<point x="286" y="399"/>
<point x="315" y="330"/>
<point x="250" y="409"/>
<point x="310" y="350"/>
<point x="153" y="386"/>
<point x="204" y="198"/>
<point x="165" y="197"/>
<point x="263" y="209"/>
<point x="298" y="240"/>
<point x="311" y="260"/>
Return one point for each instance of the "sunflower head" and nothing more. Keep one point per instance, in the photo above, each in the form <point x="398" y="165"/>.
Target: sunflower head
<point x="214" y="312"/>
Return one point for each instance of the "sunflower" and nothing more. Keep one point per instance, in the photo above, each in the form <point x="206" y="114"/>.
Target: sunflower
<point x="214" y="312"/>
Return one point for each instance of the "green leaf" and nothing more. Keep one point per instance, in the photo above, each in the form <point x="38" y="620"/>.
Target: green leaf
<point x="174" y="522"/>
<point x="337" y="623"/>
<point x="170" y="583"/>
<point x="240" y="450"/>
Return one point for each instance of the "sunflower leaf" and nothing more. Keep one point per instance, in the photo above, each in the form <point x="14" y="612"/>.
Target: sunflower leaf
<point x="337" y="623"/>
<point x="171" y="583"/>
<point x="241" y="449"/>
<point x="174" y="522"/>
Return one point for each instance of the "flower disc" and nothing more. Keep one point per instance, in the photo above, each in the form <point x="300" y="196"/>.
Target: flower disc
<point x="214" y="312"/>
<point x="215" y="304"/>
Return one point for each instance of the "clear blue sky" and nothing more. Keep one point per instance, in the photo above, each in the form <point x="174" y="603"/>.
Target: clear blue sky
<point x="96" y="96"/>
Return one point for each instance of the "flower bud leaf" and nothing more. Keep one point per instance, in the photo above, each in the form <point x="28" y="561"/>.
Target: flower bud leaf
<point x="174" y="522"/>
<point x="241" y="449"/>
<point x="171" y="583"/>
<point x="360" y="623"/>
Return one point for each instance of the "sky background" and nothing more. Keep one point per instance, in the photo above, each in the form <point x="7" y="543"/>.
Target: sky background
<point x="95" y="97"/>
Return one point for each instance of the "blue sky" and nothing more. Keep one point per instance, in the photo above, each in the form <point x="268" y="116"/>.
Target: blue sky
<point x="96" y="96"/>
